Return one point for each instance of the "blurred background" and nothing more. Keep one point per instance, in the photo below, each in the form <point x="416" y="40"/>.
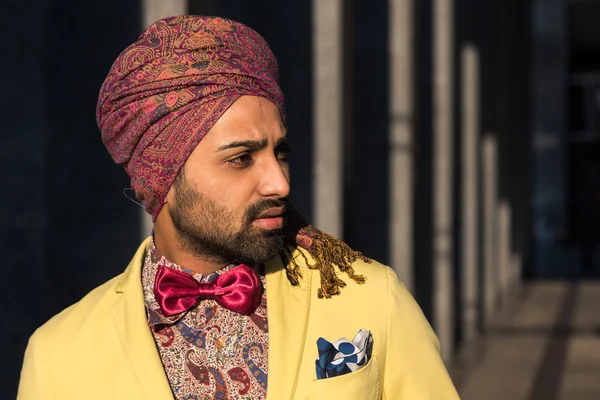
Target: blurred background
<point x="457" y="141"/>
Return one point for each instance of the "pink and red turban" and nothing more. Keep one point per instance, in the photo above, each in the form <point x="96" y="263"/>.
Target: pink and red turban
<point x="165" y="91"/>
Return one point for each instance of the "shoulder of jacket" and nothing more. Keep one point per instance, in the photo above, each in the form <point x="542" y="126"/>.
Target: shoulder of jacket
<point x="96" y="303"/>
<point x="379" y="280"/>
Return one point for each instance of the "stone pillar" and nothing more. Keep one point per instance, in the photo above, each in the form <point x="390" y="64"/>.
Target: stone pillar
<point x="504" y="251"/>
<point x="401" y="138"/>
<point x="152" y="11"/>
<point x="327" y="111"/>
<point x="443" y="45"/>
<point x="470" y="188"/>
<point x="516" y="268"/>
<point x="489" y="181"/>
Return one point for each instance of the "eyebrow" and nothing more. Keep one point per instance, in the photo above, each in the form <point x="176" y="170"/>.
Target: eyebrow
<point x="254" y="145"/>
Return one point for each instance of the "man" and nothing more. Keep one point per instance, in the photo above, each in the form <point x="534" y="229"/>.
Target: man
<point x="228" y="299"/>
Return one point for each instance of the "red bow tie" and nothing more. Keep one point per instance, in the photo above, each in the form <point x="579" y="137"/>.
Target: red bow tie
<point x="238" y="290"/>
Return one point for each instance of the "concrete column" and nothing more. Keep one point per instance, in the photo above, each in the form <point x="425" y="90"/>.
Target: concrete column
<point x="152" y="11"/>
<point x="470" y="188"/>
<point x="442" y="133"/>
<point x="504" y="255"/>
<point x="401" y="138"/>
<point x="516" y="266"/>
<point x="489" y="180"/>
<point x="327" y="92"/>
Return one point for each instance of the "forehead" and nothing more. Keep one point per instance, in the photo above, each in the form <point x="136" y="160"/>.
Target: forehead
<point x="248" y="118"/>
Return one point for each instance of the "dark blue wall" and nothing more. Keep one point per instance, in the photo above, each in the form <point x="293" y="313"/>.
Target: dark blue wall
<point x="62" y="193"/>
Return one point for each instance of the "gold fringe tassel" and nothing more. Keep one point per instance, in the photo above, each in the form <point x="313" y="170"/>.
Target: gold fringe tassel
<point x="327" y="251"/>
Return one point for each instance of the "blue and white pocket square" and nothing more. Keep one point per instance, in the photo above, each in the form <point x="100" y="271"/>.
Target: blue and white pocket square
<point x="343" y="356"/>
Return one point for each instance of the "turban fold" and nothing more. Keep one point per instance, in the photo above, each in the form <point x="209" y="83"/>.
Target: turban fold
<point x="165" y="91"/>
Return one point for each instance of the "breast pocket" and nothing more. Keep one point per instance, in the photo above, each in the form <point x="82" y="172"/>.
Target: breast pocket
<point x="362" y="384"/>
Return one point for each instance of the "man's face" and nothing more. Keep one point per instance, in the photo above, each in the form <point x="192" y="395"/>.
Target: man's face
<point x="227" y="203"/>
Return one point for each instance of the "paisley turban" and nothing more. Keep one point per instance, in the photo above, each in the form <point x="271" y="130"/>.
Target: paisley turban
<point x="165" y="91"/>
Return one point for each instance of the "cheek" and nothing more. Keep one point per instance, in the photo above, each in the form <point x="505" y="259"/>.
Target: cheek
<point x="235" y="197"/>
<point x="231" y="189"/>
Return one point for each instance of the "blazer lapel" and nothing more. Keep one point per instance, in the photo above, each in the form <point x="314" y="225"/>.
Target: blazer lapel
<point x="129" y="317"/>
<point x="288" y="309"/>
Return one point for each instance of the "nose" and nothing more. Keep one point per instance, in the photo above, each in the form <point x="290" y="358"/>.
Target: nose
<point x="275" y="180"/>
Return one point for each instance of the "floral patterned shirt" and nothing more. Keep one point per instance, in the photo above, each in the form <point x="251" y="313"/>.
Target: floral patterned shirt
<point x="210" y="352"/>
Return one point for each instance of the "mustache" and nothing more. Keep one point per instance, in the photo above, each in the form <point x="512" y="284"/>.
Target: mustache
<point x="256" y="209"/>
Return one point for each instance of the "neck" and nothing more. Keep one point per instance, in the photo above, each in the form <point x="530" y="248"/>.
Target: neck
<point x="165" y="240"/>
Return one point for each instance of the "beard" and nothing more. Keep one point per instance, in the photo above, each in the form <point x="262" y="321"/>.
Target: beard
<point x="206" y="229"/>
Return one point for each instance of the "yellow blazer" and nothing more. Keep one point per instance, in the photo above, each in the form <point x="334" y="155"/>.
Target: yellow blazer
<point x="102" y="347"/>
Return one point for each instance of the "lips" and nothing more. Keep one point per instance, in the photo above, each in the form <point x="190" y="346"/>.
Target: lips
<point x="271" y="219"/>
<point x="272" y="213"/>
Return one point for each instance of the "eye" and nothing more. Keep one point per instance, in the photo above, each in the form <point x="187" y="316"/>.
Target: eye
<point x="282" y="153"/>
<point x="241" y="161"/>
<point x="282" y="156"/>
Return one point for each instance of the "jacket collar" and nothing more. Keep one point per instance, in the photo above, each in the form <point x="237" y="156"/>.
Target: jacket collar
<point x="287" y="308"/>
<point x="129" y="316"/>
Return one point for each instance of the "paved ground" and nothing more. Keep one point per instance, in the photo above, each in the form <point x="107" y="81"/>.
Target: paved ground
<point x="548" y="348"/>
